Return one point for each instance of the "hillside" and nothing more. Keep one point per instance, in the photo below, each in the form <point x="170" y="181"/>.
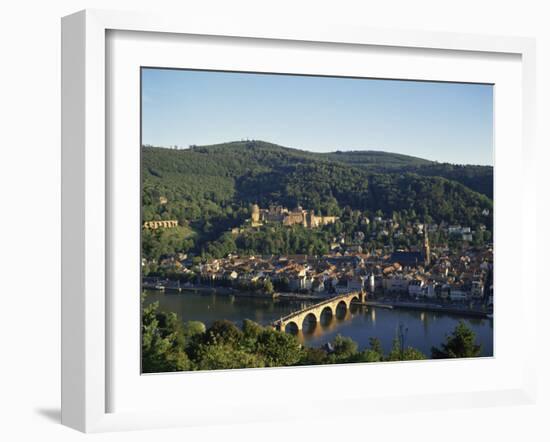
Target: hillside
<point x="478" y="178"/>
<point x="210" y="188"/>
<point x="377" y="160"/>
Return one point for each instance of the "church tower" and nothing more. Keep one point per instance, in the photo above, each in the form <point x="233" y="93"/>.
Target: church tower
<point x="426" y="247"/>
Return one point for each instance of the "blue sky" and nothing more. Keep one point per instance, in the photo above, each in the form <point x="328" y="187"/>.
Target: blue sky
<point x="446" y="122"/>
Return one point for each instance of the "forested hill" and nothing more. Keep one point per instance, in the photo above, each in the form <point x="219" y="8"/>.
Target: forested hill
<point x="478" y="178"/>
<point x="374" y="159"/>
<point x="220" y="181"/>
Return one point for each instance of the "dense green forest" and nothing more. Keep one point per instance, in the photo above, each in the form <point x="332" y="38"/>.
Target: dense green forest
<point x="477" y="178"/>
<point x="209" y="190"/>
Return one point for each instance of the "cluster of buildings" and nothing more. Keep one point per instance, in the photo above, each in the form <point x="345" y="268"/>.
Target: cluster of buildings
<point x="368" y="260"/>
<point x="280" y="214"/>
<point x="427" y="274"/>
<point x="394" y="229"/>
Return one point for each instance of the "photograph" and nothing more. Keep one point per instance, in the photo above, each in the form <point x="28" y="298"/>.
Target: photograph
<point x="233" y="221"/>
<point x="300" y="220"/>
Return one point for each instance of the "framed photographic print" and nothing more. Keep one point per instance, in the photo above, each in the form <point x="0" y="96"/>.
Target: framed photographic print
<point x="259" y="255"/>
<point x="254" y="213"/>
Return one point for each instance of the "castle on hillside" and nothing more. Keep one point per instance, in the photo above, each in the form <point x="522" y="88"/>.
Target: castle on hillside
<point x="279" y="214"/>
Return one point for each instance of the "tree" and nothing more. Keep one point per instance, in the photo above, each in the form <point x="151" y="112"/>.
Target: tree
<point x="268" y="287"/>
<point x="395" y="352"/>
<point x="412" y="354"/>
<point x="369" y="355"/>
<point x="162" y="342"/>
<point x="314" y="356"/>
<point x="251" y="329"/>
<point x="278" y="348"/>
<point x="223" y="332"/>
<point x="223" y="356"/>
<point x="460" y="344"/>
<point x="345" y="349"/>
<point x="401" y="353"/>
<point x="192" y="328"/>
<point x="376" y="345"/>
<point x="373" y="354"/>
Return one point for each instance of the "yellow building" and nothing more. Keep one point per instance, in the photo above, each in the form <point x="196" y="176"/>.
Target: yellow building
<point x="306" y="218"/>
<point x="164" y="224"/>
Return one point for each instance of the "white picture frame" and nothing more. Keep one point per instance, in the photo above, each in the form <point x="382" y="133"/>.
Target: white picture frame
<point x="86" y="316"/>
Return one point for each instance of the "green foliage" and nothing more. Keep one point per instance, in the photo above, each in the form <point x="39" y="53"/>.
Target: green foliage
<point x="220" y="357"/>
<point x="369" y="355"/>
<point x="345" y="349"/>
<point x="268" y="287"/>
<point x="460" y="344"/>
<point x="395" y="352"/>
<point x="209" y="190"/>
<point x="223" y="332"/>
<point x="155" y="243"/>
<point x="162" y="342"/>
<point x="224" y="345"/>
<point x="283" y="240"/>
<point x="376" y="346"/>
<point x="168" y="345"/>
<point x="251" y="329"/>
<point x="278" y="349"/>
<point x="434" y="197"/>
<point x="477" y="178"/>
<point x="314" y="356"/>
<point x="412" y="354"/>
<point x="374" y="353"/>
<point x="192" y="328"/>
<point x="399" y="353"/>
<point x="377" y="160"/>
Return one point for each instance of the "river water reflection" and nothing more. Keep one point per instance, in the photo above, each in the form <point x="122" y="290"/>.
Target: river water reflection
<point x="423" y="329"/>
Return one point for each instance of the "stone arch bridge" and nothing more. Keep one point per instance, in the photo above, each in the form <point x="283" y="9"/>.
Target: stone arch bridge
<point x="314" y="312"/>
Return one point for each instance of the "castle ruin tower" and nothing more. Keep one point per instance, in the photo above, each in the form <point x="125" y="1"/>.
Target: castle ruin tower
<point x="255" y="214"/>
<point x="311" y="221"/>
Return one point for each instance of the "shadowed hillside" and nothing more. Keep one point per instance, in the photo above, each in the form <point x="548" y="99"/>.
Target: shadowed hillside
<point x="209" y="189"/>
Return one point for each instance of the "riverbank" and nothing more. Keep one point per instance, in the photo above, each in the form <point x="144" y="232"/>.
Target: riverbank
<point x="169" y="286"/>
<point x="224" y="291"/>
<point x="431" y="307"/>
<point x="425" y="329"/>
<point x="388" y="304"/>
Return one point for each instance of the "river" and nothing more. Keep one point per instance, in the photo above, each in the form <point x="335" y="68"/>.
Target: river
<point x="422" y="329"/>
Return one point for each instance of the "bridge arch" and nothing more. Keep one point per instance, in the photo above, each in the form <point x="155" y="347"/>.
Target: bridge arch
<point x="291" y="327"/>
<point x="327" y="314"/>
<point x="353" y="305"/>
<point x="309" y="321"/>
<point x="341" y="308"/>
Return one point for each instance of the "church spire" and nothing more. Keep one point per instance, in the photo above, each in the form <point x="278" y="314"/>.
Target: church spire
<point x="426" y="247"/>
